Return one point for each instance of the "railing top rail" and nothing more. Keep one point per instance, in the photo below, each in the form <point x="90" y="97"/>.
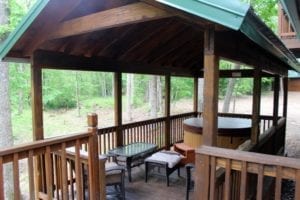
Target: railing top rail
<point x="259" y="158"/>
<point x="42" y="143"/>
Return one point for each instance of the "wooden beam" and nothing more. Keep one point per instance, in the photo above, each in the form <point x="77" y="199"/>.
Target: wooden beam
<point x="167" y="111"/>
<point x="121" y="16"/>
<point x="256" y="106"/>
<point x="241" y="73"/>
<point x="57" y="15"/>
<point x="211" y="87"/>
<point x="276" y="99"/>
<point x="285" y="96"/>
<point x="118" y="107"/>
<point x="53" y="60"/>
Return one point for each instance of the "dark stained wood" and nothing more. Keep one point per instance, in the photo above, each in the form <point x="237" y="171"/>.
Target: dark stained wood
<point x="52" y="60"/>
<point x="256" y="106"/>
<point x="118" y="107"/>
<point x="16" y="177"/>
<point x="244" y="73"/>
<point x="32" y="191"/>
<point x="211" y="84"/>
<point x="132" y="13"/>
<point x="51" y="22"/>
<point x="167" y="111"/>
<point x="49" y="172"/>
<point x="276" y="99"/>
<point x="278" y="183"/>
<point x="297" y="185"/>
<point x="285" y="96"/>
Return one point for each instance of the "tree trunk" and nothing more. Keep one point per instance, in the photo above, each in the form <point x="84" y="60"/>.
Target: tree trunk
<point x="229" y="91"/>
<point x="159" y="96"/>
<point x="200" y="94"/>
<point x="129" y="92"/>
<point x="77" y="94"/>
<point x="20" y="70"/>
<point x="153" y="96"/>
<point x="6" y="138"/>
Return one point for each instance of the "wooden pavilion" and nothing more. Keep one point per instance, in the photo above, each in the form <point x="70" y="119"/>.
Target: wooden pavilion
<point x="162" y="37"/>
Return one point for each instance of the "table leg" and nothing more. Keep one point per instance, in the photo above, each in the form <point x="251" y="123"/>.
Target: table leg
<point x="128" y="166"/>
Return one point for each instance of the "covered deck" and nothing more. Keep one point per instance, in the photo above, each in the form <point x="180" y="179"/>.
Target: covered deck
<point x="169" y="38"/>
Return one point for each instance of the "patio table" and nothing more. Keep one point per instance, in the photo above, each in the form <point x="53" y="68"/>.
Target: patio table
<point x="132" y="155"/>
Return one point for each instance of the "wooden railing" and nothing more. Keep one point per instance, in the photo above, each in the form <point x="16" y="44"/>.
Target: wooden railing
<point x="152" y="131"/>
<point x="253" y="170"/>
<point x="50" y="174"/>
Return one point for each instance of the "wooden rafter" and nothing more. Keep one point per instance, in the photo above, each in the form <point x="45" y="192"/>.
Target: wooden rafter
<point x="124" y="15"/>
<point x="41" y="36"/>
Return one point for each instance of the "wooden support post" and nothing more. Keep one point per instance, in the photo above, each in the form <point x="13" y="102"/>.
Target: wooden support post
<point x="37" y="124"/>
<point x="118" y="107"/>
<point x="196" y="95"/>
<point x="93" y="159"/>
<point x="211" y="89"/>
<point x="256" y="106"/>
<point x="202" y="177"/>
<point x="285" y="96"/>
<point x="276" y="99"/>
<point x="167" y="111"/>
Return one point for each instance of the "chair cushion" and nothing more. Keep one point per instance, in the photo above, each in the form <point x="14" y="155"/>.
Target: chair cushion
<point x="172" y="158"/>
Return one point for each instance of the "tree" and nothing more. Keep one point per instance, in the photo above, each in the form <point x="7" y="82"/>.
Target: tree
<point x="6" y="138"/>
<point x="229" y="91"/>
<point x="129" y="93"/>
<point x="153" y="96"/>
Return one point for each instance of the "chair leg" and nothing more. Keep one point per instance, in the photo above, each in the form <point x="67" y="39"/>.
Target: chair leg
<point x="146" y="172"/>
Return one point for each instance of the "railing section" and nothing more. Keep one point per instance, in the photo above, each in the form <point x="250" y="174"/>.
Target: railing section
<point x="150" y="131"/>
<point x="59" y="175"/>
<point x="253" y="171"/>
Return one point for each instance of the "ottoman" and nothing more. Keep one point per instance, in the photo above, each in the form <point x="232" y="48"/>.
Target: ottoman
<point x="169" y="160"/>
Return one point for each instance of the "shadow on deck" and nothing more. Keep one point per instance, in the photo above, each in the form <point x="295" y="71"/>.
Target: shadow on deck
<point x="156" y="187"/>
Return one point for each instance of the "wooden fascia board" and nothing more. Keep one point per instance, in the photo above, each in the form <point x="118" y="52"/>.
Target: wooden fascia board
<point x="124" y="15"/>
<point x="53" y="60"/>
<point x="242" y="73"/>
<point x="65" y="7"/>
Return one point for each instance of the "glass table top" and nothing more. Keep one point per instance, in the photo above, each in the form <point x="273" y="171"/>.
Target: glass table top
<point x="133" y="149"/>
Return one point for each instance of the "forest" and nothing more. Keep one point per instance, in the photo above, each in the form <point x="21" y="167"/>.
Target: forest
<point x="69" y="95"/>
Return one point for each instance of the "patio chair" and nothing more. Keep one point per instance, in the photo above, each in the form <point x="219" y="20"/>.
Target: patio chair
<point x="114" y="173"/>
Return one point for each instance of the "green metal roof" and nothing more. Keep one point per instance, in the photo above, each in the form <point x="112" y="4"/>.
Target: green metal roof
<point x="290" y="7"/>
<point x="238" y="16"/>
<point x="22" y="27"/>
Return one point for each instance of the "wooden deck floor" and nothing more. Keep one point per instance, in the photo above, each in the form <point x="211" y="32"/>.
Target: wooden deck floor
<point x="156" y="187"/>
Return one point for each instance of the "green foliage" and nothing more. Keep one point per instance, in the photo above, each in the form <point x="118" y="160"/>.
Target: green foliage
<point x="181" y="88"/>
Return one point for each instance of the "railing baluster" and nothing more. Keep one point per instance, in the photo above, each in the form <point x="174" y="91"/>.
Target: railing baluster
<point x="49" y="173"/>
<point x="64" y="172"/>
<point x="278" y="183"/>
<point x="31" y="175"/>
<point x="260" y="182"/>
<point x="227" y="179"/>
<point x="212" y="178"/>
<point x="297" y="186"/>
<point x="78" y="172"/>
<point x="243" y="185"/>
<point x="1" y="179"/>
<point x="17" y="193"/>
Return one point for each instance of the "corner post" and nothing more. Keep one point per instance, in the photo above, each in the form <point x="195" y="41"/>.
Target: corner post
<point x="167" y="111"/>
<point x="118" y="107"/>
<point x="285" y="96"/>
<point x="211" y="89"/>
<point x="37" y="122"/>
<point x="93" y="159"/>
<point x="276" y="99"/>
<point x="256" y="106"/>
